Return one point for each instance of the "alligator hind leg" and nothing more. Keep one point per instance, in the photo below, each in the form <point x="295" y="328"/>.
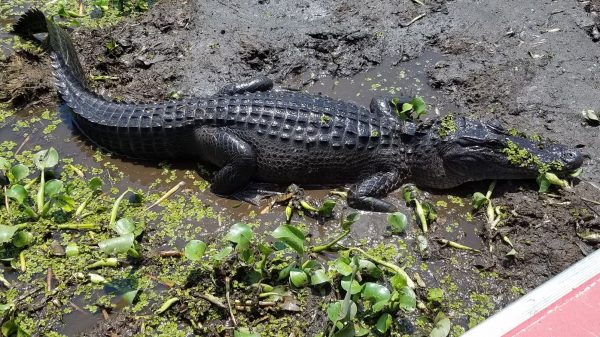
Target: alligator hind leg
<point x="235" y="157"/>
<point x="382" y="105"/>
<point x="366" y="194"/>
<point x="257" y="84"/>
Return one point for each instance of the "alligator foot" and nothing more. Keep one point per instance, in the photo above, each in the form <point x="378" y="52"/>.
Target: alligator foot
<point x="382" y="105"/>
<point x="257" y="84"/>
<point x="365" y="195"/>
<point x="235" y="157"/>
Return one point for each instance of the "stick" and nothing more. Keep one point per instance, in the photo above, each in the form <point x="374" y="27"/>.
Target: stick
<point x="166" y="195"/>
<point x="229" y="302"/>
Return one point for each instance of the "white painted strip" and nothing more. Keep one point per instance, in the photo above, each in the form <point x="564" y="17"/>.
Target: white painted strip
<point x="538" y="299"/>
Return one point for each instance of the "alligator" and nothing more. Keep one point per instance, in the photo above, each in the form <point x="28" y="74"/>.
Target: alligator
<point x="252" y="132"/>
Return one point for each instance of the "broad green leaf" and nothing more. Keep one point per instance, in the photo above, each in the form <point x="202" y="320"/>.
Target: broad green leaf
<point x="5" y="307"/>
<point x="369" y="268"/>
<point x="349" y="220"/>
<point x="343" y="267"/>
<point x="335" y="314"/>
<point x="7" y="233"/>
<point x="129" y="297"/>
<point x="72" y="249"/>
<point x="18" y="193"/>
<point x="18" y="172"/>
<point x="45" y="159"/>
<point x="244" y="332"/>
<point x="384" y="323"/>
<point x="319" y="276"/>
<point x="377" y="294"/>
<point x="406" y="107"/>
<point x="285" y="272"/>
<point x="398" y="281"/>
<point x="441" y="326"/>
<point x="407" y="299"/>
<point x="124" y="226"/>
<point x="22" y="239"/>
<point x="419" y="106"/>
<point x="52" y="188"/>
<point x="95" y="184"/>
<point x="120" y="244"/>
<point x="194" y="250"/>
<point x="240" y="234"/>
<point x="398" y="222"/>
<point x="478" y="200"/>
<point x="356" y="287"/>
<point x="346" y="331"/>
<point x="544" y="184"/>
<point x="221" y="255"/>
<point x="298" y="278"/>
<point x="326" y="209"/>
<point x="65" y="202"/>
<point x="291" y="236"/>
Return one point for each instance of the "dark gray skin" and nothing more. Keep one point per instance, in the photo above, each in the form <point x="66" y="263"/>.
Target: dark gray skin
<point x="254" y="133"/>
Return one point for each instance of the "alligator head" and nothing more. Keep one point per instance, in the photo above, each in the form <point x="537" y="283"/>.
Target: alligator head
<point x="450" y="152"/>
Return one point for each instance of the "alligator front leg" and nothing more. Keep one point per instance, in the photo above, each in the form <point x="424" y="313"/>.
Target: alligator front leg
<point x="235" y="157"/>
<point x="382" y="105"/>
<point x="366" y="194"/>
<point x="257" y="84"/>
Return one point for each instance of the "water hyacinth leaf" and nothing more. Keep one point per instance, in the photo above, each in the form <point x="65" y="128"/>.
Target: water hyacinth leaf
<point x="377" y="294"/>
<point x="407" y="299"/>
<point x="441" y="326"/>
<point x="124" y="226"/>
<point x="241" y="235"/>
<point x="430" y="211"/>
<point x="53" y="187"/>
<point x="419" y="106"/>
<point x="244" y="332"/>
<point x="5" y="308"/>
<point x="95" y="184"/>
<point x="369" y="268"/>
<point x="342" y="267"/>
<point x="65" y="202"/>
<point x="129" y="297"/>
<point x="22" y="239"/>
<point x="7" y="233"/>
<point x="353" y="287"/>
<point x="319" y="276"/>
<point x="45" y="158"/>
<point x="346" y="331"/>
<point x="349" y="220"/>
<point x="335" y="314"/>
<point x="326" y="210"/>
<point x="285" y="272"/>
<point x="298" y="278"/>
<point x="18" y="172"/>
<point x="398" y="222"/>
<point x="221" y="255"/>
<point x="384" y="323"/>
<point x="194" y="250"/>
<point x="72" y="249"/>
<point x="17" y="193"/>
<point x="406" y="107"/>
<point x="291" y="236"/>
<point x="478" y="200"/>
<point x="118" y="245"/>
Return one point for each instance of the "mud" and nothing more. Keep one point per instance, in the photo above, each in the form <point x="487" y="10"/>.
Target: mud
<point x="532" y="66"/>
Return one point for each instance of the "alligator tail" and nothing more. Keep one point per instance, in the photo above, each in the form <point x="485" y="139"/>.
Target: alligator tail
<point x="68" y="70"/>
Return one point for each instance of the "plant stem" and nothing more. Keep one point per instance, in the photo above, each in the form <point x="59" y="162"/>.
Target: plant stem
<point x="166" y="195"/>
<point x="115" y="209"/>
<point x="40" y="195"/>
<point x="421" y="215"/>
<point x="229" y="301"/>
<point x="83" y="205"/>
<point x="392" y="267"/>
<point x="76" y="226"/>
<point x="6" y="201"/>
<point x="328" y="245"/>
<point x="22" y="261"/>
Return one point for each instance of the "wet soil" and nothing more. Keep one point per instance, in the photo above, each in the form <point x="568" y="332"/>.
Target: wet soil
<point x="532" y="66"/>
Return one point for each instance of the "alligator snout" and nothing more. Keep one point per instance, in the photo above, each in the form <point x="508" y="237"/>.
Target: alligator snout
<point x="572" y="159"/>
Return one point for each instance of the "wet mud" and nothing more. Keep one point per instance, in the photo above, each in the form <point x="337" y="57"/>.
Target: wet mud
<point x="532" y="66"/>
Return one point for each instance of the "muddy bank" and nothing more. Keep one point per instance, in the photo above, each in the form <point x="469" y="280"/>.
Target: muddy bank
<point x="534" y="67"/>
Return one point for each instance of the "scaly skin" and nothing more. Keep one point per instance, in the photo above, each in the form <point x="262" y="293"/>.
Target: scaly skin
<point x="252" y="132"/>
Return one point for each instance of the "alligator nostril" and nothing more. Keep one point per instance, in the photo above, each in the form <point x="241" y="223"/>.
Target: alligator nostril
<point x="572" y="158"/>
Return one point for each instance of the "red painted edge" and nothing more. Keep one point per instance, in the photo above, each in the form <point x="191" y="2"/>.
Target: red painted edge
<point x="575" y="314"/>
